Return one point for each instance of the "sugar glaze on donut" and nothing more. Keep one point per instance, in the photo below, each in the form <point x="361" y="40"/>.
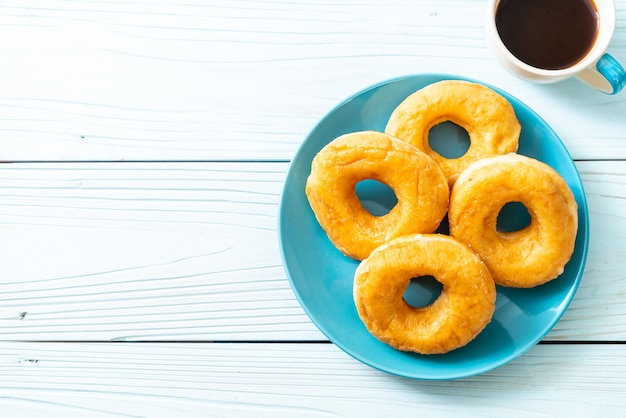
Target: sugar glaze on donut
<point x="417" y="181"/>
<point x="533" y="255"/>
<point x="488" y="118"/>
<point x="462" y="310"/>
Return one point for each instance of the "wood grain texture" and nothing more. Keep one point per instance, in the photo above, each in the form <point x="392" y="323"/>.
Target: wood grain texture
<point x="287" y="380"/>
<point x="189" y="251"/>
<point x="136" y="251"/>
<point x="233" y="80"/>
<point x="143" y="150"/>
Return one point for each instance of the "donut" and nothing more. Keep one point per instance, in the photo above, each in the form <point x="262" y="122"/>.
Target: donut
<point x="528" y="257"/>
<point x="417" y="181"/>
<point x="462" y="310"/>
<point x="488" y="118"/>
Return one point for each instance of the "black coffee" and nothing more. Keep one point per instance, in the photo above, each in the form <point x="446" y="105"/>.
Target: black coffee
<point x="548" y="34"/>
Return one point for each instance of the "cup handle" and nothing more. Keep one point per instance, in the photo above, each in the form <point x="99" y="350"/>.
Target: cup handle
<point x="606" y="75"/>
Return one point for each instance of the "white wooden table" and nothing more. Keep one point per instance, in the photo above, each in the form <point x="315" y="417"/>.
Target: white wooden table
<point x="144" y="146"/>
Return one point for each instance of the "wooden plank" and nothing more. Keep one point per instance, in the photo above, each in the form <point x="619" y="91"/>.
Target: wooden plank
<point x="153" y="251"/>
<point x="311" y="380"/>
<point x="136" y="251"/>
<point x="244" y="80"/>
<point x="602" y="283"/>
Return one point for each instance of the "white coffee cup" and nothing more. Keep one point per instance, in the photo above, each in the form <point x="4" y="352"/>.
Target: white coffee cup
<point x="597" y="68"/>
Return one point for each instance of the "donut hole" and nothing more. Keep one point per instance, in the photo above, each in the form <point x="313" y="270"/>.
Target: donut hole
<point x="422" y="291"/>
<point x="448" y="140"/>
<point x="376" y="197"/>
<point x="513" y="216"/>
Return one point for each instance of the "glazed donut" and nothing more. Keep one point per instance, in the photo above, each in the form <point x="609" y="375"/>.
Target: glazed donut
<point x="533" y="255"/>
<point x="488" y="118"/>
<point x="418" y="183"/>
<point x="462" y="310"/>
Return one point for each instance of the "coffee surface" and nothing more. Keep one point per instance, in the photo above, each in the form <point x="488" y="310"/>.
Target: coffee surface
<point x="548" y="34"/>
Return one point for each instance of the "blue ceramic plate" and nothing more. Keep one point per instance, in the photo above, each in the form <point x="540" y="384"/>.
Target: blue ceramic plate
<point x="322" y="277"/>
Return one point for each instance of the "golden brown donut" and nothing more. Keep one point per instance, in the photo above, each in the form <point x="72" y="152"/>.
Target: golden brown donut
<point x="488" y="118"/>
<point x="528" y="257"/>
<point x="464" y="307"/>
<point x="416" y="180"/>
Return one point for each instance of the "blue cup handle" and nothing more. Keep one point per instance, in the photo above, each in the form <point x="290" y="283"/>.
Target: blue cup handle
<point x="606" y="75"/>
